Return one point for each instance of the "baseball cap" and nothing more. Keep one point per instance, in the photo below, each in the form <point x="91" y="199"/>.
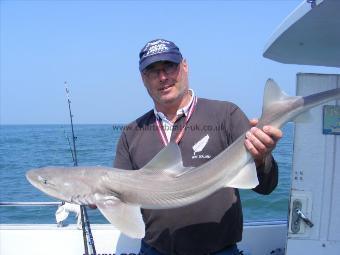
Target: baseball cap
<point x="159" y="50"/>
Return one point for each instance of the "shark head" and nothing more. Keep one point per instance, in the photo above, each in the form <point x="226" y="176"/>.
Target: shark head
<point x="51" y="182"/>
<point x="80" y="185"/>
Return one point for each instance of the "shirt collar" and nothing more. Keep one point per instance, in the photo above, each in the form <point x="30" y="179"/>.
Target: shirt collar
<point x="184" y="110"/>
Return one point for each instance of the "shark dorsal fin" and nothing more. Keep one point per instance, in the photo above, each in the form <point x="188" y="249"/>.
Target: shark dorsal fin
<point x="272" y="93"/>
<point x="167" y="162"/>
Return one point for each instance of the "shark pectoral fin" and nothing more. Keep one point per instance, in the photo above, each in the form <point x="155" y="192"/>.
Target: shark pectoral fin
<point x="125" y="217"/>
<point x="246" y="178"/>
<point x="304" y="117"/>
<point x="167" y="162"/>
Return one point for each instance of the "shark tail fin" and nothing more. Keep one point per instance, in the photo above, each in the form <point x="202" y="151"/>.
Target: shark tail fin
<point x="125" y="217"/>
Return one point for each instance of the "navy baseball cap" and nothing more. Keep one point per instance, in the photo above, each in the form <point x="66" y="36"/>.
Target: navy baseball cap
<point x="159" y="50"/>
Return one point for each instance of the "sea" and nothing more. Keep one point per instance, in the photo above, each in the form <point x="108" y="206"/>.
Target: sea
<point x="23" y="147"/>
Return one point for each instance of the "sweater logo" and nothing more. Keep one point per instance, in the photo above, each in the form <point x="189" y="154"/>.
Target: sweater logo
<point x="199" y="146"/>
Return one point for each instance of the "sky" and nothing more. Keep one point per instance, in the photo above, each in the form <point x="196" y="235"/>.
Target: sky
<point x="94" y="46"/>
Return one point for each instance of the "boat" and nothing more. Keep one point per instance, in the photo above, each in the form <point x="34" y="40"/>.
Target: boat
<point x="310" y="35"/>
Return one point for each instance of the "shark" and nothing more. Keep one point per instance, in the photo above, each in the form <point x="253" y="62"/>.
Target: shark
<point x="164" y="182"/>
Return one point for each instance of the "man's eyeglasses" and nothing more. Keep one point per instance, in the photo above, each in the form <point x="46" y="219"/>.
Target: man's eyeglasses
<point x="168" y="68"/>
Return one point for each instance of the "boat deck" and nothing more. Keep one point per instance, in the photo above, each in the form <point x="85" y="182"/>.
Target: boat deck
<point x="259" y="238"/>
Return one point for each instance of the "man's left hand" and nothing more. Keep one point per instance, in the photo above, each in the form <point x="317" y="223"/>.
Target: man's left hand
<point x="261" y="142"/>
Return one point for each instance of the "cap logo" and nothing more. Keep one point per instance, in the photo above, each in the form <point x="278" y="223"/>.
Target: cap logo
<point x="156" y="47"/>
<point x="158" y="50"/>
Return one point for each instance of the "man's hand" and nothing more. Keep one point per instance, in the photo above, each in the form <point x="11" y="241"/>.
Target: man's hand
<point x="261" y="142"/>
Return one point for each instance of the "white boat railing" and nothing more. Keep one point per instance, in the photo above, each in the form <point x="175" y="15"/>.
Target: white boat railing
<point x="31" y="203"/>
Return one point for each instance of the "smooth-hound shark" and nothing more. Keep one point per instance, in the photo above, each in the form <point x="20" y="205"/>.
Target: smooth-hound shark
<point x="164" y="182"/>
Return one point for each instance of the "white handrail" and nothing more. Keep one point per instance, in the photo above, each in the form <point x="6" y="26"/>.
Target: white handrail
<point x="30" y="203"/>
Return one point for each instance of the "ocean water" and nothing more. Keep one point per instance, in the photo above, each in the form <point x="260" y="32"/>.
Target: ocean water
<point x="23" y="147"/>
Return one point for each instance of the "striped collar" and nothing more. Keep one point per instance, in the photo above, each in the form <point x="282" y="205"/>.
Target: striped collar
<point x="184" y="110"/>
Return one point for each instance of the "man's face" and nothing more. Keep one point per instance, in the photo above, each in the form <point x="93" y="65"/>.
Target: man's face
<point x="166" y="82"/>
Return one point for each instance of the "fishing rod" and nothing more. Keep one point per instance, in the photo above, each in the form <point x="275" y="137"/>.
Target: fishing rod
<point x="85" y="223"/>
<point x="69" y="144"/>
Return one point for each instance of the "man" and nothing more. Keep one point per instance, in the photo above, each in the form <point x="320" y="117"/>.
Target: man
<point x="202" y="128"/>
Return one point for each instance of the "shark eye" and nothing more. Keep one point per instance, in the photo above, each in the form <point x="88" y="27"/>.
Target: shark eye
<point x="43" y="180"/>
